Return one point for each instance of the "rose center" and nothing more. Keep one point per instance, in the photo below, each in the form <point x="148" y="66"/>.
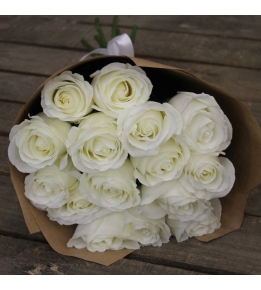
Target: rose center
<point x="206" y="174"/>
<point x="78" y="205"/>
<point x="63" y="100"/>
<point x="114" y="192"/>
<point x="48" y="188"/>
<point x="167" y="166"/>
<point x="145" y="130"/>
<point x="184" y="207"/>
<point x="206" y="133"/>
<point x="122" y="93"/>
<point x="41" y="146"/>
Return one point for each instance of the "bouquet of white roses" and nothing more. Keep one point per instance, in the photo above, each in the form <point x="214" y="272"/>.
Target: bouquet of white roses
<point x="111" y="152"/>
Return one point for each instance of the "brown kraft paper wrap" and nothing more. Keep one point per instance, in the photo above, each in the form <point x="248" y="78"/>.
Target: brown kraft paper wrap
<point x="244" y="152"/>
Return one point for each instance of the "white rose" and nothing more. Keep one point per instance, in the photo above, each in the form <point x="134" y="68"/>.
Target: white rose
<point x="166" y="165"/>
<point x="107" y="233"/>
<point x="143" y="128"/>
<point x="77" y="210"/>
<point x="50" y="187"/>
<point x="94" y="144"/>
<point x="118" y="86"/>
<point x="148" y="232"/>
<point x="114" y="189"/>
<point x="208" y="177"/>
<point x="38" y="142"/>
<point x="172" y="199"/>
<point x="67" y="97"/>
<point x="118" y="230"/>
<point x="184" y="230"/>
<point x="205" y="127"/>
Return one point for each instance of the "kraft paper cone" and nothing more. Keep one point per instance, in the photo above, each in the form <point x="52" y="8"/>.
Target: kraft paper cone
<point x="244" y="152"/>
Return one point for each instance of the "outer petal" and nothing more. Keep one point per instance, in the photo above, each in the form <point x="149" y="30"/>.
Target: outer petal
<point x="152" y="210"/>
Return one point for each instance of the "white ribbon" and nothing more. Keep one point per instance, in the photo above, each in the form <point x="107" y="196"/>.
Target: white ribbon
<point x="119" y="45"/>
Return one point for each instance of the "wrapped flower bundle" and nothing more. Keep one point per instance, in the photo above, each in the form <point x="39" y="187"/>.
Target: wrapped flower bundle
<point x="121" y="156"/>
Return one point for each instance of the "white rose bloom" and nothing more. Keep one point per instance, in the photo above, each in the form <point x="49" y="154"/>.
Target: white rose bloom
<point x="114" y="189"/>
<point x="208" y="176"/>
<point x="51" y="187"/>
<point x="166" y="165"/>
<point x="172" y="199"/>
<point x="118" y="230"/>
<point x="205" y="127"/>
<point x="149" y="232"/>
<point x="118" y="86"/>
<point x="77" y="210"/>
<point x="107" y="233"/>
<point x="185" y="208"/>
<point x="184" y="230"/>
<point x="38" y="142"/>
<point x="143" y="128"/>
<point x="94" y="144"/>
<point x="67" y="97"/>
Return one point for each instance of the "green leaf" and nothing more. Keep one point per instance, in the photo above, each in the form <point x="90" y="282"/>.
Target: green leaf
<point x="133" y="33"/>
<point x="87" y="45"/>
<point x="118" y="32"/>
<point x="97" y="38"/>
<point x="102" y="41"/>
<point x="114" y="26"/>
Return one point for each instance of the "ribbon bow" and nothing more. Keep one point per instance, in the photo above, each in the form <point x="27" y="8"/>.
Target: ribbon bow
<point x="119" y="45"/>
